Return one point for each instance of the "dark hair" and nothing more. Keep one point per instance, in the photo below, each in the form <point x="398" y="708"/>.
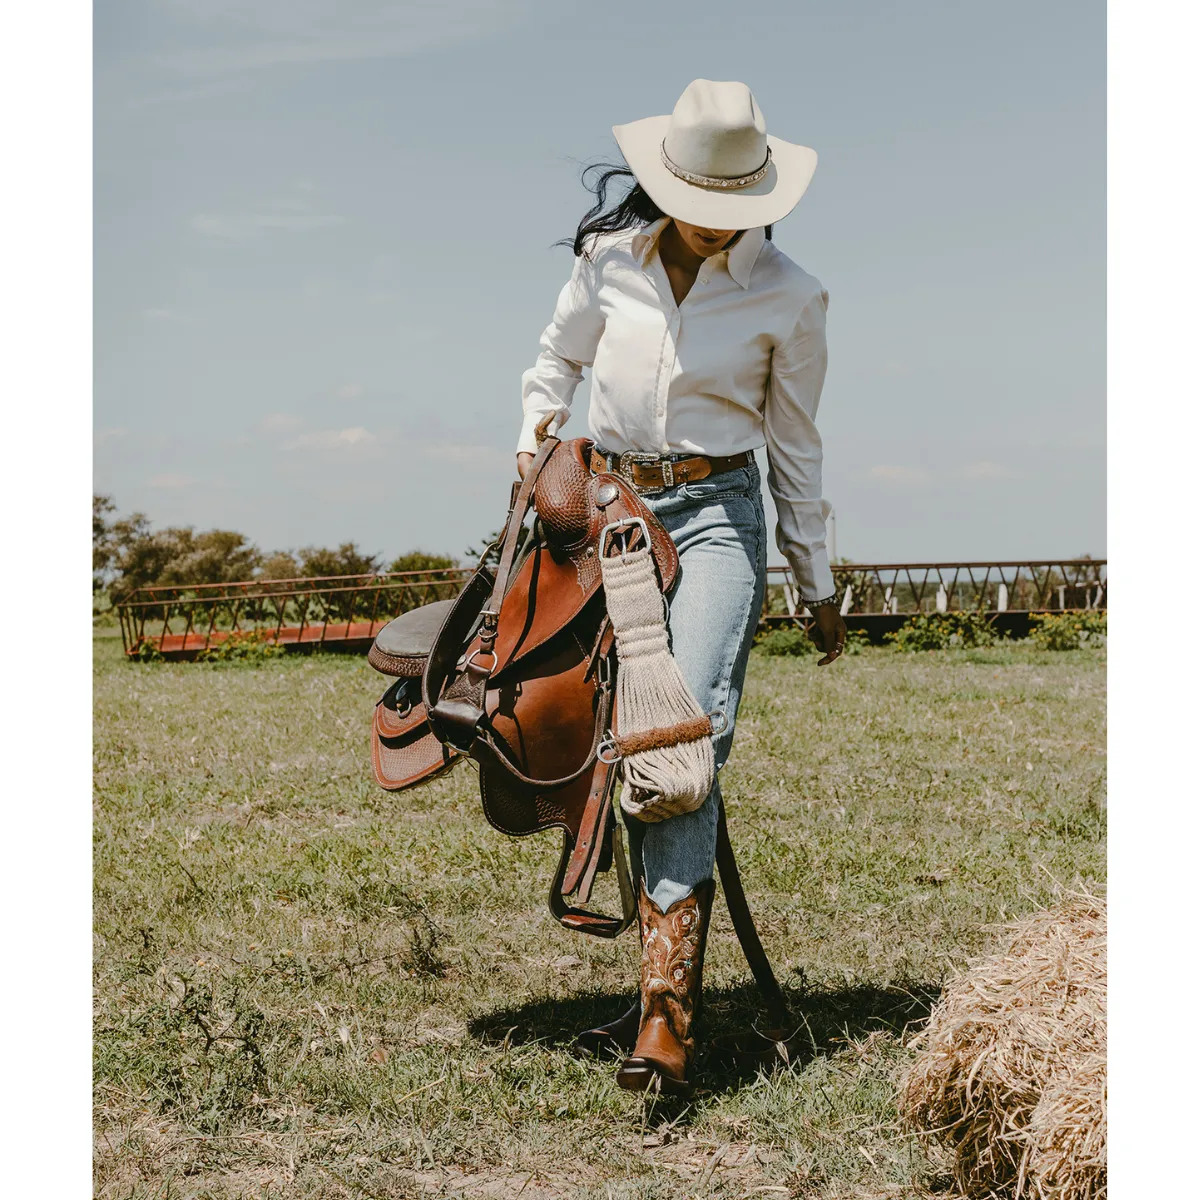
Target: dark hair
<point x="634" y="208"/>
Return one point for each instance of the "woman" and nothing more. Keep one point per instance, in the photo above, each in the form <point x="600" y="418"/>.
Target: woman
<point x="705" y="342"/>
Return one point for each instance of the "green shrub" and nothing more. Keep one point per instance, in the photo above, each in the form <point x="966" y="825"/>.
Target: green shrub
<point x="1069" y="630"/>
<point x="942" y="631"/>
<point x="146" y="651"/>
<point x="792" y="640"/>
<point x="785" y="640"/>
<point x="251" y="647"/>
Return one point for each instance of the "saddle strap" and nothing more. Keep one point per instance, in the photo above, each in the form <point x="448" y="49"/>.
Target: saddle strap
<point x="774" y="1002"/>
<point x="483" y="746"/>
<point x="512" y="532"/>
<point x="580" y="919"/>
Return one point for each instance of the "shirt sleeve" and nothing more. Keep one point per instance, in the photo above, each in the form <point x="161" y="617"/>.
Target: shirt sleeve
<point x="567" y="346"/>
<point x="794" y="449"/>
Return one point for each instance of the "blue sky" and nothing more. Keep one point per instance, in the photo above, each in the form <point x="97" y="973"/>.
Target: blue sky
<point x="323" y="253"/>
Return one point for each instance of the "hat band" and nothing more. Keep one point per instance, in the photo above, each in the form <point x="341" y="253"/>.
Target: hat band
<point x="714" y="181"/>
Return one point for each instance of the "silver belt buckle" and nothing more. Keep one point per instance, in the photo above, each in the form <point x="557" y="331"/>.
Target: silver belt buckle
<point x="664" y="464"/>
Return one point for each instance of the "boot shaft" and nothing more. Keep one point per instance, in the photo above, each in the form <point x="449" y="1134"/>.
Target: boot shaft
<point x="673" y="944"/>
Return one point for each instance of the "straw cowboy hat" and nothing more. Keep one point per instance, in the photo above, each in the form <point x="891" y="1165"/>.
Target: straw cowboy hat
<point x="711" y="162"/>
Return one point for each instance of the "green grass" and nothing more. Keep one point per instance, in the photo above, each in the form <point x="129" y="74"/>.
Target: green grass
<point x="307" y="987"/>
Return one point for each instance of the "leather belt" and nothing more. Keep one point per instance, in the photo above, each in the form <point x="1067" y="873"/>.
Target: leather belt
<point x="650" y="473"/>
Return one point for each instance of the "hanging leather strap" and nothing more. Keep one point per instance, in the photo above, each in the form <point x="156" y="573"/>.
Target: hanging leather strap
<point x="512" y="533"/>
<point x="775" y="1004"/>
<point x="580" y="919"/>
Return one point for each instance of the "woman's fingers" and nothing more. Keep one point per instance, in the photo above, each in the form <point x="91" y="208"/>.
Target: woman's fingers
<point x="833" y="638"/>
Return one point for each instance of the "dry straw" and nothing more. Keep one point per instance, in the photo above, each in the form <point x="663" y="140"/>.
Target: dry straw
<point x="1011" y="1071"/>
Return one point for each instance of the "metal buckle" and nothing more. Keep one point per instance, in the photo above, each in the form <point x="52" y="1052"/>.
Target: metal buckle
<point x="610" y="530"/>
<point x="625" y="467"/>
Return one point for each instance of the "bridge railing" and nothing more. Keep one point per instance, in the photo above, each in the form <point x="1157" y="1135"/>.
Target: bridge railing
<point x="344" y="612"/>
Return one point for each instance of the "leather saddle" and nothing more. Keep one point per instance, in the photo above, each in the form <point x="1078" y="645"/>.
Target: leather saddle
<point x="518" y="673"/>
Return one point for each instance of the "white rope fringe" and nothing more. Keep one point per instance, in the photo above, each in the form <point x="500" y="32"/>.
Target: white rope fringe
<point x="652" y="695"/>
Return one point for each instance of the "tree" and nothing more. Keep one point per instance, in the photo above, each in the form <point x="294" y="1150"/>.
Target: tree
<point x="420" y="560"/>
<point x="215" y="556"/>
<point x="279" y="565"/>
<point x="347" y="559"/>
<point x="103" y="546"/>
<point x="140" y="554"/>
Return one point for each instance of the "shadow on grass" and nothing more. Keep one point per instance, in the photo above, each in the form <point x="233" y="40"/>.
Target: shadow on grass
<point x="823" y="1021"/>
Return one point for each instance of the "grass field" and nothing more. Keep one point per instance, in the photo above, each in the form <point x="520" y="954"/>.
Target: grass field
<point x="306" y="987"/>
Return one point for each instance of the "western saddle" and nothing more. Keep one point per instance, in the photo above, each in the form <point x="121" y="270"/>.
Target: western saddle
<point x="518" y="672"/>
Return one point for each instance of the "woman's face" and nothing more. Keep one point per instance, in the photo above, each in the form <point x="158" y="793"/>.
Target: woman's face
<point x="702" y="241"/>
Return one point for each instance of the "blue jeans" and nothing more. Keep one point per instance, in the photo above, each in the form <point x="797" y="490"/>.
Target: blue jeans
<point x="719" y="528"/>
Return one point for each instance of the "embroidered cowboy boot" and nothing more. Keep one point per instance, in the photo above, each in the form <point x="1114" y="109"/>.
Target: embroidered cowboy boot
<point x="672" y="963"/>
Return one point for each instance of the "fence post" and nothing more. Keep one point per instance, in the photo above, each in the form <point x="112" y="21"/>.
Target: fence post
<point x="1002" y="598"/>
<point x="789" y="595"/>
<point x="941" y="598"/>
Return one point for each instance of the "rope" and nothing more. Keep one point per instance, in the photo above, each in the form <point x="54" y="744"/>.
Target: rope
<point x="673" y="774"/>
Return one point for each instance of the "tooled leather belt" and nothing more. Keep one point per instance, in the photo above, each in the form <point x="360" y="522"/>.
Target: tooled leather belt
<point x="650" y="473"/>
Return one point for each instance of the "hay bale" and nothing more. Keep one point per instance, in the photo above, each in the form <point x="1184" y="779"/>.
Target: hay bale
<point x="1011" y="1073"/>
<point x="1068" y="1133"/>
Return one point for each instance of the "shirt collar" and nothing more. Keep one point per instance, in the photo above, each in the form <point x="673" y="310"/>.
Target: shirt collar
<point x="739" y="260"/>
<point x="646" y="239"/>
<point x="743" y="256"/>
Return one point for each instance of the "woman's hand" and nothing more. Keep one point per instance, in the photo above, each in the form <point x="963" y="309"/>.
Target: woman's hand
<point x="523" y="461"/>
<point x="828" y="633"/>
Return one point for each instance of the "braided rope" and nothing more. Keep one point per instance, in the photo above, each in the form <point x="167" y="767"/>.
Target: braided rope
<point x="670" y="769"/>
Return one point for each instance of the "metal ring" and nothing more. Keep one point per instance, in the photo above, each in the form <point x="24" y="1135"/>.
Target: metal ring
<point x="719" y="712"/>
<point x="481" y="650"/>
<point x="610" y="745"/>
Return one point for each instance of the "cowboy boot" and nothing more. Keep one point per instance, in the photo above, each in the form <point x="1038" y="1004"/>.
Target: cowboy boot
<point x="672" y="964"/>
<point x="616" y="1037"/>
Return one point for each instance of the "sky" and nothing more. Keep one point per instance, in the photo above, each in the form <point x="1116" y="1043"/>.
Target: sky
<point x="324" y="253"/>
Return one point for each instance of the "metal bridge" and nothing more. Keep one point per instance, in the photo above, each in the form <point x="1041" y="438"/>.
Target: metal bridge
<point x="345" y="612"/>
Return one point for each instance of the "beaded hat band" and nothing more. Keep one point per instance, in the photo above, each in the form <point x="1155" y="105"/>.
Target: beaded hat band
<point x="714" y="181"/>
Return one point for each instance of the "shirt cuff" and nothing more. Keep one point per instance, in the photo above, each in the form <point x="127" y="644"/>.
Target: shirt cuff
<point x="813" y="576"/>
<point x="527" y="442"/>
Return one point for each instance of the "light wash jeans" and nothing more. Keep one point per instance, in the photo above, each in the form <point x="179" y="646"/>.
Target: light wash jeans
<point x="719" y="528"/>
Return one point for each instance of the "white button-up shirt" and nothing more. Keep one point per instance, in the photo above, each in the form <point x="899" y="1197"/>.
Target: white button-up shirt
<point x="739" y="364"/>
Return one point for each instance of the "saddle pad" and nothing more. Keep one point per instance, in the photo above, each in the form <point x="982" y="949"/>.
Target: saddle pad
<point x="403" y="644"/>
<point x="404" y="750"/>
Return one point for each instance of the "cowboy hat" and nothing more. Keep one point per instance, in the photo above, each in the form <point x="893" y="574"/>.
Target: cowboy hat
<point x="711" y="162"/>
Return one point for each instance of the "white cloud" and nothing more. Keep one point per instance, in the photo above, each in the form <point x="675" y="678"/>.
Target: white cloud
<point x="246" y="224"/>
<point x="905" y="476"/>
<point x="223" y="36"/>
<point x="168" y="315"/>
<point x="983" y="470"/>
<point x="332" y="439"/>
<point x="171" y="481"/>
<point x="279" y="422"/>
<point x="454" y="452"/>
